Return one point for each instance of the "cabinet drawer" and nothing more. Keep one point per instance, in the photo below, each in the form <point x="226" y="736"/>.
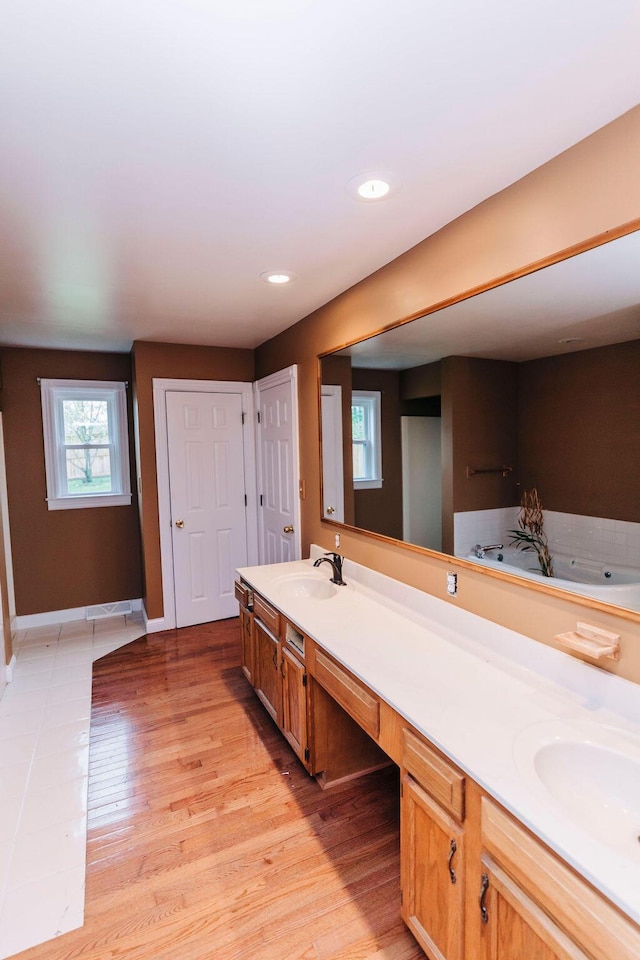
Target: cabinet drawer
<point x="268" y="614"/>
<point x="438" y="778"/>
<point x="243" y="594"/>
<point x="356" y="699"/>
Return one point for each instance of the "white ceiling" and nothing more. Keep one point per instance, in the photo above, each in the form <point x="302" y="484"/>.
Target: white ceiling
<point x="591" y="300"/>
<point x="156" y="156"/>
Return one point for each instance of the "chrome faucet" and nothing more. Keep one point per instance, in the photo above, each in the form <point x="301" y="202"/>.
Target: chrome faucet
<point x="336" y="565"/>
<point x="480" y="551"/>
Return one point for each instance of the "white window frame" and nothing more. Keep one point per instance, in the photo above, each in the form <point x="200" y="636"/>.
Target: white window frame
<point x="53" y="392"/>
<point x="372" y="402"/>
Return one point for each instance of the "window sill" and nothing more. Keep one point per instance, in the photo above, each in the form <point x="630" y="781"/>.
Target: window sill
<point x="367" y="484"/>
<point x="95" y="500"/>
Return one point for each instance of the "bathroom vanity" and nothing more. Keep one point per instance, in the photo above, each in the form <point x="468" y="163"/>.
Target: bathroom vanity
<point x="520" y="766"/>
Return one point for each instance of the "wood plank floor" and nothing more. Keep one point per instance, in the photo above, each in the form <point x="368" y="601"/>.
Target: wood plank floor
<point x="207" y="839"/>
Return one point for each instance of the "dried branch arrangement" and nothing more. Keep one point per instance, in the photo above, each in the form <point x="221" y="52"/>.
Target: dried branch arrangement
<point x="531" y="535"/>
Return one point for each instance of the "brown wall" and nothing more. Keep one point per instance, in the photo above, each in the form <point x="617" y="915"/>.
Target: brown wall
<point x="179" y="361"/>
<point x="589" y="462"/>
<point x="422" y="381"/>
<point x="61" y="558"/>
<point x="479" y="430"/>
<point x="381" y="509"/>
<point x="585" y="192"/>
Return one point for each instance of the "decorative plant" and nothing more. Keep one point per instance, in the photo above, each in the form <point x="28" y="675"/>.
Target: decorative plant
<point x="531" y="535"/>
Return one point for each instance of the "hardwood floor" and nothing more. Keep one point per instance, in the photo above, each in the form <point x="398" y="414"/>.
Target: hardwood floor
<point x="207" y="839"/>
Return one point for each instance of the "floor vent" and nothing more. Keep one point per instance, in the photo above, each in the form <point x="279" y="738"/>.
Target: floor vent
<point x="101" y="610"/>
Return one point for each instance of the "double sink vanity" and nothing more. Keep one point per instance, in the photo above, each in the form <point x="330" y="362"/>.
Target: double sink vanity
<point x="520" y="765"/>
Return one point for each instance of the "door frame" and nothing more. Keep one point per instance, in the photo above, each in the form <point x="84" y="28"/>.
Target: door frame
<point x="162" y="386"/>
<point x="287" y="375"/>
<point x="334" y="392"/>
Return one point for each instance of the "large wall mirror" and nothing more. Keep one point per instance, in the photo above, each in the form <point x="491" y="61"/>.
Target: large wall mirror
<point x="432" y="431"/>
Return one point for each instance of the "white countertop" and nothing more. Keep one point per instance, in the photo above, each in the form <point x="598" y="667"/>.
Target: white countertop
<point x="476" y="690"/>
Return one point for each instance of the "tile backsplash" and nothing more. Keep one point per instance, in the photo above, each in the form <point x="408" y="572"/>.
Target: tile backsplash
<point x="592" y="538"/>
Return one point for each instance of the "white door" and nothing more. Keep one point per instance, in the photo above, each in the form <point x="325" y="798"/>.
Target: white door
<point x="278" y="438"/>
<point x="332" y="459"/>
<point x="207" y="491"/>
<point x="422" y="481"/>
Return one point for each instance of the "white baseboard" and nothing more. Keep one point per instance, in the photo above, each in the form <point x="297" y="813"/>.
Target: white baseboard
<point x="6" y="672"/>
<point x="31" y="620"/>
<point x="157" y="624"/>
<point x="10" y="667"/>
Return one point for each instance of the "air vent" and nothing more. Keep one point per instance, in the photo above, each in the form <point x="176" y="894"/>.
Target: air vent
<point x="101" y="610"/>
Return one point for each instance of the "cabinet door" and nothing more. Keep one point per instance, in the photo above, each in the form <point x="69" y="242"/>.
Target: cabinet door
<point x="246" y="642"/>
<point x="294" y="703"/>
<point x="268" y="682"/>
<point x="537" y="907"/>
<point x="515" y="927"/>
<point x="432" y="868"/>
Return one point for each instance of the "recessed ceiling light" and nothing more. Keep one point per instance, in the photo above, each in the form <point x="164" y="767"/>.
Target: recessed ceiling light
<point x="277" y="277"/>
<point x="372" y="186"/>
<point x="373" y="189"/>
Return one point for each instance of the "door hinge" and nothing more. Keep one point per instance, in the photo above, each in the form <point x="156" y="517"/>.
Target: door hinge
<point x="258" y="416"/>
<point x="306" y="754"/>
<point x="246" y="502"/>
<point x="260" y="499"/>
<point x="243" y="419"/>
<point x="304" y="679"/>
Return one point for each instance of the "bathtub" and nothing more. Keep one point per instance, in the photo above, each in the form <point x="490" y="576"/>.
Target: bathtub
<point x="591" y="578"/>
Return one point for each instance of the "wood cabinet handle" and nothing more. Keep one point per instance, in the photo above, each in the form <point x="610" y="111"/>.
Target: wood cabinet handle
<point x="275" y="657"/>
<point x="452" y="850"/>
<point x="282" y="668"/>
<point x="483" y="893"/>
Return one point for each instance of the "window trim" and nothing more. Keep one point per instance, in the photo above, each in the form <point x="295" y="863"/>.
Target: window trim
<point x="52" y="393"/>
<point x="372" y="399"/>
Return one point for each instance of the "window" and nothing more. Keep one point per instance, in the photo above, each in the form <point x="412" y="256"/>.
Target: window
<point x="365" y="431"/>
<point x="86" y="446"/>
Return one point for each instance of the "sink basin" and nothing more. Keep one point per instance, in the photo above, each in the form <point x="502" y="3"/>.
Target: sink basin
<point x="592" y="773"/>
<point x="305" y="586"/>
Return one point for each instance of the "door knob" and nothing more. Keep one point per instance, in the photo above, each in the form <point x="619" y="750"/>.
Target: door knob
<point x="180" y="524"/>
<point x="331" y="510"/>
<point x="288" y="528"/>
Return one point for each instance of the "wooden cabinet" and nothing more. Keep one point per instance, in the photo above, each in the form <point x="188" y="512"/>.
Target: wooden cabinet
<point x="295" y="710"/>
<point x="476" y="885"/>
<point x="432" y="851"/>
<point x="511" y="898"/>
<point x="247" y="643"/>
<point x="535" y="907"/>
<point x="518" y="927"/>
<point x="280" y="675"/>
<point x="244" y="596"/>
<point x="349" y="692"/>
<point x="268" y="681"/>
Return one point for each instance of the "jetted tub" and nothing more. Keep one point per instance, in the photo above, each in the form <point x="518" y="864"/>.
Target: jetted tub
<point x="591" y="578"/>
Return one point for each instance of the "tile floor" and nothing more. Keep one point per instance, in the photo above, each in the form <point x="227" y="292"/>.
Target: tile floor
<point x="44" y="758"/>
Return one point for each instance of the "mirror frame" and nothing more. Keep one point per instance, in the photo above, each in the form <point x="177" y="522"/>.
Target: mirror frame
<point x="599" y="240"/>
